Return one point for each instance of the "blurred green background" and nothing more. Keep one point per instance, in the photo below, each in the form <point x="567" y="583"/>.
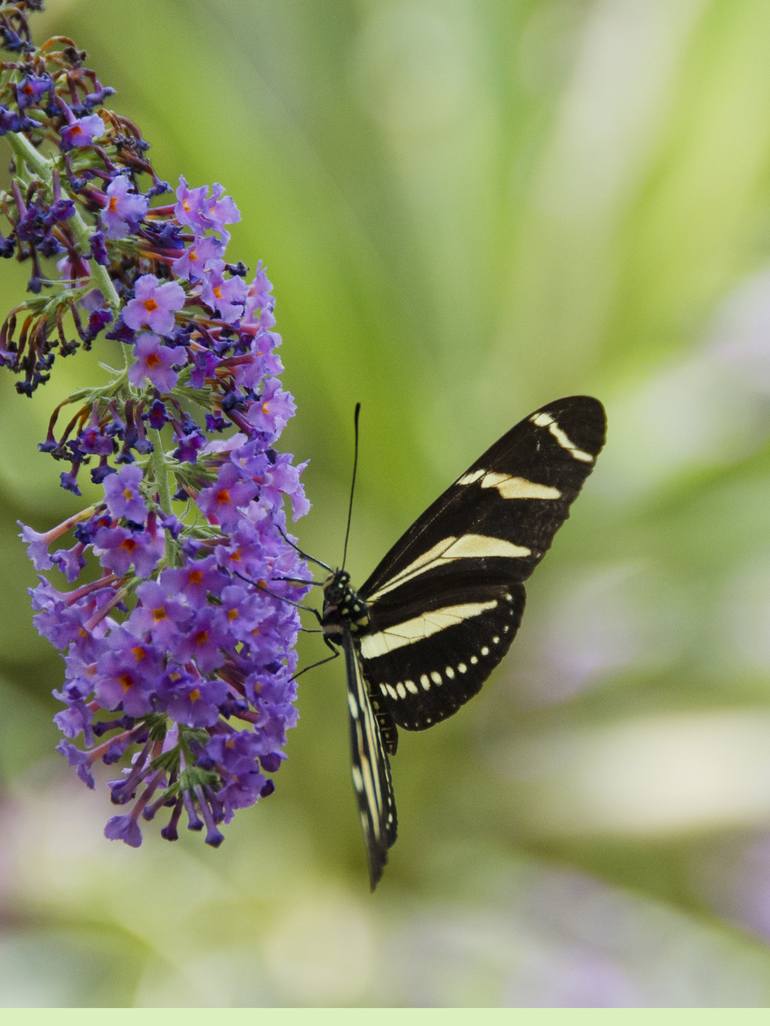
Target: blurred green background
<point x="468" y="208"/>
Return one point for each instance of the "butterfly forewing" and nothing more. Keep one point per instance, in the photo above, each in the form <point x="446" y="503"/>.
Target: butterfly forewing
<point x="446" y="600"/>
<point x="529" y="452"/>
<point x="371" y="768"/>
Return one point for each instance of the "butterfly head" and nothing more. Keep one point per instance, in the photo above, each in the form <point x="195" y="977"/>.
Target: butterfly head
<point x="342" y="607"/>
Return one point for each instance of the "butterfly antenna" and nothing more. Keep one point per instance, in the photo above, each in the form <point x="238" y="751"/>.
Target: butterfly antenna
<point x="352" y="483"/>
<point x="305" y="555"/>
<point x="281" y="598"/>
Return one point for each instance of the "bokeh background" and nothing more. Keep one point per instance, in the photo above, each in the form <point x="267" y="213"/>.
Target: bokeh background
<point x="468" y="208"/>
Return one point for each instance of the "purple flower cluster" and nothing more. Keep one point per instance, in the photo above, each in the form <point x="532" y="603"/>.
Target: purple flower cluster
<point x="178" y="620"/>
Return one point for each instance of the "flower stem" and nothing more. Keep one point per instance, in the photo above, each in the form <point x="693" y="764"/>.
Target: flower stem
<point x="162" y="473"/>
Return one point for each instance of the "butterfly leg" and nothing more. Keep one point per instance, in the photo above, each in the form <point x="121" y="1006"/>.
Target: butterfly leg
<point x="320" y="662"/>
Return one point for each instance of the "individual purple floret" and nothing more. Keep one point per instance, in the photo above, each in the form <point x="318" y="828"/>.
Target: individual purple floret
<point x="124" y="828"/>
<point x="124" y="208"/>
<point x="154" y="305"/>
<point x="123" y="497"/>
<point x="81" y="132"/>
<point x="203" y="211"/>
<point x="155" y="362"/>
<point x="202" y="252"/>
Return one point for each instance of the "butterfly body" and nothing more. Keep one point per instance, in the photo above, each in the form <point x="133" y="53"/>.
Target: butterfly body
<point x="442" y="607"/>
<point x="343" y="609"/>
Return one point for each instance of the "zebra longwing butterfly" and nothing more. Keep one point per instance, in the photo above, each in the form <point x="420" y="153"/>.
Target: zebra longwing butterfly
<point x="441" y="609"/>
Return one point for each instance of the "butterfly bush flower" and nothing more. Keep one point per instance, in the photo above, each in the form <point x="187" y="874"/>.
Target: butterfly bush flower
<point x="172" y="595"/>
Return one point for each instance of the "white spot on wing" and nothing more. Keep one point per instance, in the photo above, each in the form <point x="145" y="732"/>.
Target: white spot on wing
<point x="435" y="677"/>
<point x="411" y="686"/>
<point x="401" y="690"/>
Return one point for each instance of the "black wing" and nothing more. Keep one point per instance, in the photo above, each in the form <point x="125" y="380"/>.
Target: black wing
<point x="371" y="769"/>
<point x="447" y="599"/>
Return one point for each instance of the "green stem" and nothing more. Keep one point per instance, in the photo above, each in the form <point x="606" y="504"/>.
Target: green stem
<point x="32" y="157"/>
<point x="163" y="479"/>
<point x="162" y="473"/>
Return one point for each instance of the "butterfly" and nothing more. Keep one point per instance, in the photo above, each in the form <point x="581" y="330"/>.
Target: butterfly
<point x="442" y="607"/>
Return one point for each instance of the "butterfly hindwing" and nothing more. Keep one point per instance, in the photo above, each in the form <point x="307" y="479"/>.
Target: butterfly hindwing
<point x="370" y="767"/>
<point x="424" y="660"/>
<point x="450" y="594"/>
